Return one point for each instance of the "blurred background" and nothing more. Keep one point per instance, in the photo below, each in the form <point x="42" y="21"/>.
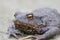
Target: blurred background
<point x="9" y="7"/>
